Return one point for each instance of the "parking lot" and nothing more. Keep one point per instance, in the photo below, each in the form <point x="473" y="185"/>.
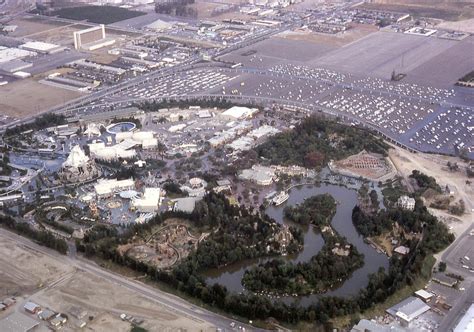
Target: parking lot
<point x="185" y="83"/>
<point x="451" y="128"/>
<point x="394" y="116"/>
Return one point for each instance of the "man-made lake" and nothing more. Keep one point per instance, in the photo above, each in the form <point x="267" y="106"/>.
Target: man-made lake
<point x="231" y="276"/>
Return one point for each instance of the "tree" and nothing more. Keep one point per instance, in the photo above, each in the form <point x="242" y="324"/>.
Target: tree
<point x="442" y="266"/>
<point x="162" y="150"/>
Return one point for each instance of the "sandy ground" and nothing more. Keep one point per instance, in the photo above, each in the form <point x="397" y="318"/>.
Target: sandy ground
<point x="28" y="26"/>
<point x="465" y="25"/>
<point x="452" y="10"/>
<point x="27" y="97"/>
<point x="29" y="275"/>
<point x="23" y="270"/>
<point x="105" y="302"/>
<point x="435" y="166"/>
<point x="355" y="33"/>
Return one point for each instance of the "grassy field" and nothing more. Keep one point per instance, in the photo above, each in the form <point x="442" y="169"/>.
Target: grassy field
<point x="97" y="14"/>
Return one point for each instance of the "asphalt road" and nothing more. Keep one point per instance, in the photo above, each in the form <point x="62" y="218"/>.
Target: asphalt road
<point x="171" y="302"/>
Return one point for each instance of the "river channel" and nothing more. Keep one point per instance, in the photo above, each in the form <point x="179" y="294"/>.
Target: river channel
<point x="231" y="276"/>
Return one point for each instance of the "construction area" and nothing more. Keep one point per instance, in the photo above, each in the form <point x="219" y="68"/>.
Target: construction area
<point x="47" y="285"/>
<point x="368" y="165"/>
<point x="164" y="247"/>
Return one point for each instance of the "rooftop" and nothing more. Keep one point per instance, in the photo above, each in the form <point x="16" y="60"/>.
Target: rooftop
<point x="467" y="321"/>
<point x="409" y="309"/>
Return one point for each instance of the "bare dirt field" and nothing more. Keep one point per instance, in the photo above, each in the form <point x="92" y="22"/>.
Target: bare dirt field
<point x="465" y="25"/>
<point x="277" y="50"/>
<point x="435" y="72"/>
<point x="443" y="10"/>
<point x="23" y="270"/>
<point x="28" y="274"/>
<point x="435" y="166"/>
<point x="28" y="97"/>
<point x="105" y="302"/>
<point x="378" y="54"/>
<point x="28" y="26"/>
<point x="356" y="32"/>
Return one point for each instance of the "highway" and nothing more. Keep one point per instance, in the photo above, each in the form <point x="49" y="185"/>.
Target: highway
<point x="170" y="302"/>
<point x="467" y="296"/>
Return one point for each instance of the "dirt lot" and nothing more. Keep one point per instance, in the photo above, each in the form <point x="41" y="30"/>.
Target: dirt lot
<point x="435" y="166"/>
<point x="28" y="26"/>
<point x="356" y="32"/>
<point x="23" y="270"/>
<point x="447" y="11"/>
<point x="27" y="97"/>
<point x="465" y="25"/>
<point x="105" y="302"/>
<point x="367" y="57"/>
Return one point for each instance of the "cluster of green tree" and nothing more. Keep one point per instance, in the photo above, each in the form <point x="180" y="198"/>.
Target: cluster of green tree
<point x="131" y="119"/>
<point x="435" y="235"/>
<point x="424" y="181"/>
<point x="97" y="14"/>
<point x="316" y="141"/>
<point x="188" y="165"/>
<point x="322" y="272"/>
<point x="392" y="191"/>
<point x="318" y="210"/>
<point x="468" y="78"/>
<point x="176" y="8"/>
<point x="186" y="277"/>
<point x="5" y="168"/>
<point x="240" y="233"/>
<point x="44" y="121"/>
<point x="457" y="208"/>
<point x="44" y="238"/>
<point x="220" y="103"/>
<point x="59" y="226"/>
<point x="173" y="188"/>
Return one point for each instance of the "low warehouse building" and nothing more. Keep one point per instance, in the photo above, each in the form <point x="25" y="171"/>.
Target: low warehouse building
<point x="409" y="309"/>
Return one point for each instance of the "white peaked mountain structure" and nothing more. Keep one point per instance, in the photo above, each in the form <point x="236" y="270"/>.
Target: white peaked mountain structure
<point x="77" y="158"/>
<point x="78" y="167"/>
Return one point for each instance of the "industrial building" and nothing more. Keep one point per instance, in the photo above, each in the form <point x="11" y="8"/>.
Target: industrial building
<point x="467" y="321"/>
<point x="409" y="309"/>
<point x="8" y="54"/>
<point x="107" y="188"/>
<point x="239" y="113"/>
<point x="424" y="295"/>
<point x="41" y="47"/>
<point x="149" y="202"/>
<point x="15" y="65"/>
<point x="31" y="307"/>
<point x="92" y="38"/>
<point x="261" y="175"/>
<point x="365" y="325"/>
<point x="185" y="204"/>
<point x="100" y="151"/>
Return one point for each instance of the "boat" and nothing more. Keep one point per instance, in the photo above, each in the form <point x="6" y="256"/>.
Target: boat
<point x="281" y="198"/>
